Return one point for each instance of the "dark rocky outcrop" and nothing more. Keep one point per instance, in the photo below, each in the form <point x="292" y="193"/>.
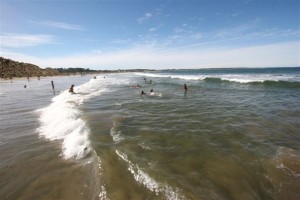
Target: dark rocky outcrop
<point x="10" y="69"/>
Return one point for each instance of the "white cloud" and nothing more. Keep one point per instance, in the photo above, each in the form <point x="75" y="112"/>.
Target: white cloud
<point x="274" y="55"/>
<point x="146" y="17"/>
<point x="155" y="28"/>
<point x="59" y="25"/>
<point x="235" y="14"/>
<point x="24" y="40"/>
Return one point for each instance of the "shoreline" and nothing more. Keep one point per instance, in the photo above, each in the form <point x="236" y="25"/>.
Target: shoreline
<point x="24" y="78"/>
<point x="43" y="77"/>
<point x="76" y="74"/>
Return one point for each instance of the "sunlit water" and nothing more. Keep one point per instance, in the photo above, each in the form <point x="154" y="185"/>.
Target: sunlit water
<point x="234" y="134"/>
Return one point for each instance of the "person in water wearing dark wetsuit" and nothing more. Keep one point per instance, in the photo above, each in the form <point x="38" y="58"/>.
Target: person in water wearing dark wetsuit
<point x="71" y="90"/>
<point x="185" y="87"/>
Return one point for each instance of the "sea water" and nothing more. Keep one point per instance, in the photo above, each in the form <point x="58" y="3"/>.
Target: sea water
<point x="234" y="134"/>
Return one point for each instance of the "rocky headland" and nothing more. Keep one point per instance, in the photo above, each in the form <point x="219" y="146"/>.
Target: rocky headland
<point x="11" y="69"/>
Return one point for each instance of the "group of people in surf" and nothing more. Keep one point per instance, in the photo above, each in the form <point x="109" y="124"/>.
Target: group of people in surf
<point x="152" y="91"/>
<point x="71" y="89"/>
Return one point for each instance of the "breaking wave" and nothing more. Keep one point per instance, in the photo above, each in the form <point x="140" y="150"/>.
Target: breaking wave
<point x="154" y="186"/>
<point x="61" y="120"/>
<point x="266" y="80"/>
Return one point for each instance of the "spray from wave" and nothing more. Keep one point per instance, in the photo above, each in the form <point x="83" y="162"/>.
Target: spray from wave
<point x="61" y="120"/>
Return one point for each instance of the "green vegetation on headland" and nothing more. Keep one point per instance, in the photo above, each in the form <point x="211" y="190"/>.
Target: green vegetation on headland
<point x="10" y="69"/>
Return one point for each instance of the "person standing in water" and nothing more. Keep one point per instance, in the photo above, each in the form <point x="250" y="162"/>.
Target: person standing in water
<point x="71" y="90"/>
<point x="52" y="83"/>
<point x="185" y="87"/>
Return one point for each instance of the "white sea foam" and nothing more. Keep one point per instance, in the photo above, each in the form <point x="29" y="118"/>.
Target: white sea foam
<point x="144" y="146"/>
<point x="246" y="78"/>
<point x="240" y="78"/>
<point x="154" y="186"/>
<point x="116" y="135"/>
<point x="61" y="120"/>
<point x="288" y="160"/>
<point x="102" y="194"/>
<point x="184" y="77"/>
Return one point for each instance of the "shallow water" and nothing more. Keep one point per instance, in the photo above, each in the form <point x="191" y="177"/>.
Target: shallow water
<point x="225" y="138"/>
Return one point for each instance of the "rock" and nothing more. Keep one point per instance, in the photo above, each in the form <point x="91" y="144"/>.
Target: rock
<point x="10" y="69"/>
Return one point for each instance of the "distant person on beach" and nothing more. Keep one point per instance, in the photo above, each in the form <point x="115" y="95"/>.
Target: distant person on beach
<point x="71" y="90"/>
<point x="185" y="87"/>
<point x="52" y="83"/>
<point x="143" y="93"/>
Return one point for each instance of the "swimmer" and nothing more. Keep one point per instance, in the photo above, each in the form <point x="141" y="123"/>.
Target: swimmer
<point x="136" y="86"/>
<point x="143" y="93"/>
<point x="151" y="92"/>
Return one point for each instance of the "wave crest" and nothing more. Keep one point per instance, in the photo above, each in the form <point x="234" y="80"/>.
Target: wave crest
<point x="61" y="120"/>
<point x="266" y="80"/>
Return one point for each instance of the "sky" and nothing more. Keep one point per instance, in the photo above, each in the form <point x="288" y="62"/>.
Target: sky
<point x="151" y="34"/>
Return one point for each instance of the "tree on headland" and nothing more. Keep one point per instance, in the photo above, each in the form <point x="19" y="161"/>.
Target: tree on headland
<point x="76" y="70"/>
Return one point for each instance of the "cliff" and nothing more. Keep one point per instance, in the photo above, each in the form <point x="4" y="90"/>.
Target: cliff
<point x="10" y="68"/>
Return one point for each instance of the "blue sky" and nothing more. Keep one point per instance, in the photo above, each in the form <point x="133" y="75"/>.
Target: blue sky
<point x="156" y="34"/>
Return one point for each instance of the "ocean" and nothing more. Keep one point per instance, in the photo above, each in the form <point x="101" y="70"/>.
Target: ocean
<point x="234" y="134"/>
